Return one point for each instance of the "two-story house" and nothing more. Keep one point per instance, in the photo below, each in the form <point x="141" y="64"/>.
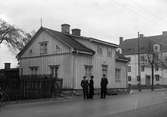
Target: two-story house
<point x="72" y="56"/>
<point x="142" y="51"/>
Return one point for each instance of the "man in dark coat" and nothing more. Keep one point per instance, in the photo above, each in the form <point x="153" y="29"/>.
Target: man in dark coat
<point x="84" y="85"/>
<point x="91" y="87"/>
<point x="103" y="84"/>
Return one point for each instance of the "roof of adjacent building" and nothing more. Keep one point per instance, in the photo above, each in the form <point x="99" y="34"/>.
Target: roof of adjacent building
<point x="121" y="58"/>
<point x="68" y="39"/>
<point x="130" y="46"/>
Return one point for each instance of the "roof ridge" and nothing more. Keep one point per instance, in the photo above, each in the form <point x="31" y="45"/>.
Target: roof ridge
<point x="83" y="37"/>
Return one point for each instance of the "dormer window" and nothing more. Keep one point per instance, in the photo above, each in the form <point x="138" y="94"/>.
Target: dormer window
<point x="43" y="47"/>
<point x="99" y="50"/>
<point x="156" y="48"/>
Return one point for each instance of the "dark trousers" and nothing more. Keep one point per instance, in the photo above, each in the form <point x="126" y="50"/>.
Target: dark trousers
<point x="103" y="92"/>
<point x="91" y="93"/>
<point x="85" y="93"/>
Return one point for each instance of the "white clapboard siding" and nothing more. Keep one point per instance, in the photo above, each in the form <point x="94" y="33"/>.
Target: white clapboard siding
<point x="34" y="48"/>
<point x="97" y="61"/>
<point x="123" y="76"/>
<point x="62" y="58"/>
<point x="64" y="62"/>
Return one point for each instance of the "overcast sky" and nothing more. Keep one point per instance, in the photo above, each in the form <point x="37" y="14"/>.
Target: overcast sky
<point x="103" y="19"/>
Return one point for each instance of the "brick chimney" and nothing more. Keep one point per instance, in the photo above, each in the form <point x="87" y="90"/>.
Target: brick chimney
<point x="141" y="35"/>
<point x="121" y="39"/>
<point x="7" y="65"/>
<point x="65" y="28"/>
<point x="76" y="32"/>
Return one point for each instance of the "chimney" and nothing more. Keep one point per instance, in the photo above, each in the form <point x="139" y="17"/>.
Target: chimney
<point x="164" y="33"/>
<point x="76" y="32"/>
<point x="7" y="65"/>
<point x="120" y="40"/>
<point x="65" y="28"/>
<point x="141" y="35"/>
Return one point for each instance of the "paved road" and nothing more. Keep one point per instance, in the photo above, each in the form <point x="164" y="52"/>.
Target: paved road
<point x="140" y="104"/>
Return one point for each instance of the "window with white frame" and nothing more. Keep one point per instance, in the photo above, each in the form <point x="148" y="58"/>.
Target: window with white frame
<point x="129" y="78"/>
<point x="43" y="47"/>
<point x="129" y="68"/>
<point x="104" y="69"/>
<point x="88" y="70"/>
<point x="117" y="75"/>
<point x="142" y="68"/>
<point x="157" y="77"/>
<point x="156" y="48"/>
<point x="54" y="70"/>
<point x="34" y="70"/>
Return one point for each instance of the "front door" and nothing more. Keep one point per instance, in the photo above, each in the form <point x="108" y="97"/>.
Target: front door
<point x="148" y="79"/>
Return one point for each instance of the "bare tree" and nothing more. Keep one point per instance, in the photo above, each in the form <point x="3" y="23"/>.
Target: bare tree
<point x="15" y="38"/>
<point x="156" y="60"/>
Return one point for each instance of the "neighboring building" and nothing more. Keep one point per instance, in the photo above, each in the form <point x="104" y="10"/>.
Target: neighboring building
<point x="148" y="47"/>
<point x="72" y="56"/>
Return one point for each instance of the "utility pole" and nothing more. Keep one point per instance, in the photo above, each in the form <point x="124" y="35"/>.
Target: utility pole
<point x="139" y="74"/>
<point x="152" y="68"/>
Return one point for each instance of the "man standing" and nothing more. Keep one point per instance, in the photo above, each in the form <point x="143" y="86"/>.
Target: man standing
<point x="103" y="84"/>
<point x="84" y="85"/>
<point x="91" y="87"/>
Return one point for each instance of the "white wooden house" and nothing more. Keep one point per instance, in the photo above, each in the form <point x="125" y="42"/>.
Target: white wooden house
<point x="72" y="56"/>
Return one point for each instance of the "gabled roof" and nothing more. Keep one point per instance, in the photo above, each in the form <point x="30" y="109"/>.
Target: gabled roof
<point x="130" y="46"/>
<point x="69" y="41"/>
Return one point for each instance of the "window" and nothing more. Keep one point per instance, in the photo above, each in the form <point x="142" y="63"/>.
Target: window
<point x="109" y="52"/>
<point x="157" y="77"/>
<point x="54" y="71"/>
<point x="104" y="69"/>
<point x="129" y="68"/>
<point x="142" y="68"/>
<point x="117" y="75"/>
<point x="156" y="48"/>
<point x="43" y="47"/>
<point x="88" y="70"/>
<point x="156" y="68"/>
<point x="34" y="70"/>
<point x="142" y="58"/>
<point x="138" y="78"/>
<point x="99" y="50"/>
<point x="129" y="78"/>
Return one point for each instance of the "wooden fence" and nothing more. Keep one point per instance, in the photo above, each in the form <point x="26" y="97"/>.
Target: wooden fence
<point x="31" y="87"/>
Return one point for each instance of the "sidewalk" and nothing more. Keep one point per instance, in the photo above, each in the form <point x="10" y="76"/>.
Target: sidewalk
<point x="135" y="91"/>
<point x="69" y="99"/>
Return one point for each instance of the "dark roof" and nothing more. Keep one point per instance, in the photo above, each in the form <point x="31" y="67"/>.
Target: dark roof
<point x="94" y="40"/>
<point x="121" y="58"/>
<point x="130" y="46"/>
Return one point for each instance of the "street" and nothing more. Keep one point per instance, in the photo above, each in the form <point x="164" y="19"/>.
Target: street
<point x="144" y="104"/>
